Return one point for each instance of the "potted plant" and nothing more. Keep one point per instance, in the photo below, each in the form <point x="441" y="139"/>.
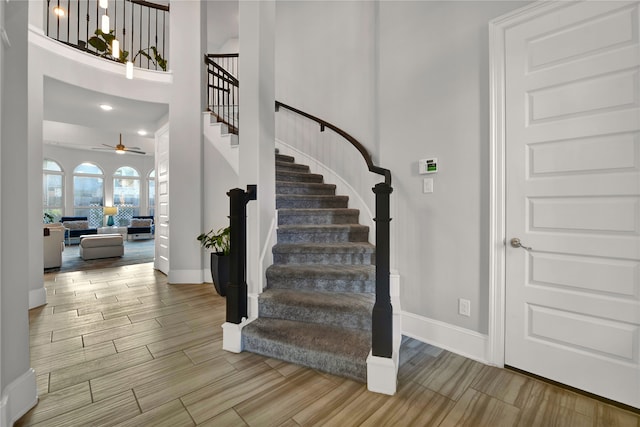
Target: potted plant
<point x="219" y="242"/>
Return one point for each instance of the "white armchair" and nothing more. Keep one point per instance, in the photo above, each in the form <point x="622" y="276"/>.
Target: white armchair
<point x="53" y="245"/>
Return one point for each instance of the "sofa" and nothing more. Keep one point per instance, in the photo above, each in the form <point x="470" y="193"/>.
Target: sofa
<point x="101" y="246"/>
<point x="76" y="226"/>
<point x="53" y="245"/>
<point x="141" y="227"/>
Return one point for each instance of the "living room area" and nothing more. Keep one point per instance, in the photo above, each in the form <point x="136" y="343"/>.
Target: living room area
<point x="98" y="174"/>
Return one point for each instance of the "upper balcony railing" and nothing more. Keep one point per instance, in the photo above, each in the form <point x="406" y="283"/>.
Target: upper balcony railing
<point x="140" y="29"/>
<point x="222" y="89"/>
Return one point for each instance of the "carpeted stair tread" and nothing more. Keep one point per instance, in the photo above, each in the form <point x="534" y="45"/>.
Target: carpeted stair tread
<point x="284" y="158"/>
<point x="290" y="187"/>
<point x="302" y="201"/>
<point x="324" y="278"/>
<point x="339" y="351"/>
<point x="298" y="176"/>
<point x="293" y="167"/>
<point x="324" y="253"/>
<point x="346" y="309"/>
<point x="318" y="216"/>
<point x="323" y="233"/>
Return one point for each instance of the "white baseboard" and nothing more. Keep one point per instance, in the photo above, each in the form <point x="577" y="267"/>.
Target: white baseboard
<point x="185" y="276"/>
<point x="18" y="397"/>
<point x="464" y="342"/>
<point x="37" y="297"/>
<point x="206" y="276"/>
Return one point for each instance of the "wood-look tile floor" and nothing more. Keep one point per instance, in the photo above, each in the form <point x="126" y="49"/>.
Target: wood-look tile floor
<point x="122" y="347"/>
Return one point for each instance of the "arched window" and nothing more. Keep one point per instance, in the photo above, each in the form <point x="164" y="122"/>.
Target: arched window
<point x="126" y="194"/>
<point x="52" y="190"/>
<point x="88" y="193"/>
<point x="152" y="192"/>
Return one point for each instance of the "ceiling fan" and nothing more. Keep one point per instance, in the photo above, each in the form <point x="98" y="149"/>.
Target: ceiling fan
<point x="120" y="148"/>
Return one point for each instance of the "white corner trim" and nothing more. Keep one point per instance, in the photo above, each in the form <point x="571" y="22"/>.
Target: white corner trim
<point x="266" y="254"/>
<point x="18" y="397"/>
<point x="5" y="37"/>
<point x="177" y="277"/>
<point x="37" y="297"/>
<point x="464" y="342"/>
<point x="232" y="335"/>
<point x="394" y="291"/>
<point x="382" y="374"/>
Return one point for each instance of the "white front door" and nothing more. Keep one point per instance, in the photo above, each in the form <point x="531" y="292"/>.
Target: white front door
<point x="573" y="196"/>
<point x="162" y="200"/>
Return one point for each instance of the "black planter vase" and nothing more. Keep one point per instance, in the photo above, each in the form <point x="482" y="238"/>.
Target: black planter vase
<point x="220" y="271"/>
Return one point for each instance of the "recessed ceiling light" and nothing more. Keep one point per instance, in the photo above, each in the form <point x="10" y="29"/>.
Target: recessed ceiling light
<point x="58" y="11"/>
<point x="142" y="132"/>
<point x="106" y="107"/>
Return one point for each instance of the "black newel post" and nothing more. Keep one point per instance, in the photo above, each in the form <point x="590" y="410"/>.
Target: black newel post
<point x="237" y="287"/>
<point x="382" y="320"/>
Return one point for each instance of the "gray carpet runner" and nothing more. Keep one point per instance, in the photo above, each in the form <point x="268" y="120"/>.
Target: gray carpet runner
<point x="316" y="310"/>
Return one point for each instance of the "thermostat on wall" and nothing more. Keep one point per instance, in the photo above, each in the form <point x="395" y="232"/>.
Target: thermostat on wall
<point x="428" y="166"/>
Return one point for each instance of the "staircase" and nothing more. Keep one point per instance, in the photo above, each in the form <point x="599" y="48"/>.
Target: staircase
<point x="316" y="310"/>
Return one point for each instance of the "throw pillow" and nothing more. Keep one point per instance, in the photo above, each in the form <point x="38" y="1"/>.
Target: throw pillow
<point x="76" y="225"/>
<point x="140" y="222"/>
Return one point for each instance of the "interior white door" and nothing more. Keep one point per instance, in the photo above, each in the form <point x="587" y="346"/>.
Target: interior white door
<point x="573" y="196"/>
<point x="162" y="200"/>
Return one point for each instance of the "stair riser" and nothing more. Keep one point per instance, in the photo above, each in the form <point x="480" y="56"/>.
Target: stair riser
<point x="323" y="258"/>
<point x="353" y="369"/>
<point x="308" y="189"/>
<point x="311" y="202"/>
<point x="296" y="236"/>
<point x="298" y="177"/>
<point x="353" y="319"/>
<point x="300" y="219"/>
<point x="322" y="285"/>
<point x="291" y="167"/>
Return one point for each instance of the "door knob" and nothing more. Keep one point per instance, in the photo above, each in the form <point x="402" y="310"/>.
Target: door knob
<point x="515" y="243"/>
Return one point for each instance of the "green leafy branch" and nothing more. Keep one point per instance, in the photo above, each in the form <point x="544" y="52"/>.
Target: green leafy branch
<point x="156" y="59"/>
<point x="102" y="43"/>
<point x="218" y="240"/>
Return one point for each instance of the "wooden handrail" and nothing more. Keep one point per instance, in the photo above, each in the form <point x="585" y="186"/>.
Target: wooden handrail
<point x="225" y="75"/>
<point x="151" y="5"/>
<point x="363" y="151"/>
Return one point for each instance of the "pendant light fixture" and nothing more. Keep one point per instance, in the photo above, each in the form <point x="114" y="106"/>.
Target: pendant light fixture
<point x="115" y="48"/>
<point x="105" y="24"/>
<point x="104" y="4"/>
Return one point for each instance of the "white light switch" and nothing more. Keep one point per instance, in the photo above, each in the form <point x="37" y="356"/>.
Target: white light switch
<point x="427" y="185"/>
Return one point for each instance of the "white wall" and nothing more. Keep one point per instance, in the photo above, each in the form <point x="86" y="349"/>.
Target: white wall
<point x="222" y="25"/>
<point x="186" y="146"/>
<point x="17" y="380"/>
<point x="325" y="62"/>
<point x="257" y="137"/>
<point x="412" y="79"/>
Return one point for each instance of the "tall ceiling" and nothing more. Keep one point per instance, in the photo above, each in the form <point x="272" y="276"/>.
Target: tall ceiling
<point x="72" y="114"/>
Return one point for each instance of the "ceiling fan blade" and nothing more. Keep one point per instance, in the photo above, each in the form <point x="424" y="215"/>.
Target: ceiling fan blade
<point x="110" y="146"/>
<point x="103" y="149"/>
<point x="134" y="151"/>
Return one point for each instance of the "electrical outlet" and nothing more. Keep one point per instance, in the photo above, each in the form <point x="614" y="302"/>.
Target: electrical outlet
<point x="464" y="307"/>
